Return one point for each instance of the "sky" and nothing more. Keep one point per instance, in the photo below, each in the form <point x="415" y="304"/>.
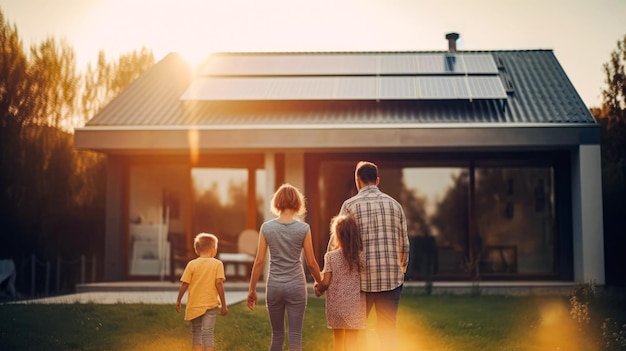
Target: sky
<point x="582" y="33"/>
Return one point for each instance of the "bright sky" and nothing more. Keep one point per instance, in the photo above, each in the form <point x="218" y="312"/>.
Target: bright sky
<point x="582" y="33"/>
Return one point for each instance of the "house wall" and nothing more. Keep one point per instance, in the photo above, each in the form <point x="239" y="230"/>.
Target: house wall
<point x="587" y="215"/>
<point x="114" y="230"/>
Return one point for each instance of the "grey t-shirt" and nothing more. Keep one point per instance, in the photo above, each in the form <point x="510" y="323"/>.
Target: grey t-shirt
<point x="285" y="241"/>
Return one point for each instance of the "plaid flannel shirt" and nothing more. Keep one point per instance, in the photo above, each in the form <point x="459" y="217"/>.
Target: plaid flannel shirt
<point x="383" y="229"/>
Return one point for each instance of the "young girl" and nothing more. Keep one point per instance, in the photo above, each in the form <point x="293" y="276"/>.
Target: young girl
<point x="345" y="303"/>
<point x="286" y="289"/>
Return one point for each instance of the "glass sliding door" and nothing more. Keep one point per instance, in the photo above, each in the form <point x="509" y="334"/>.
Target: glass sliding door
<point x="515" y="220"/>
<point x="435" y="202"/>
<point x="482" y="216"/>
<point x="219" y="204"/>
<point x="157" y="212"/>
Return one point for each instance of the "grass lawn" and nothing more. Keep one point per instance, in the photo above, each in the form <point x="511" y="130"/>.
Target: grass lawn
<point x="443" y="322"/>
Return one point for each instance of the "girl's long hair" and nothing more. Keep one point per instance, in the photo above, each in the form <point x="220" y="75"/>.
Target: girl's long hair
<point x="346" y="231"/>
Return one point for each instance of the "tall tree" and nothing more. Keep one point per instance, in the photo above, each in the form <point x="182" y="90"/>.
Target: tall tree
<point x="15" y="112"/>
<point x="53" y="68"/>
<point x="612" y="119"/>
<point x="107" y="79"/>
<point x="52" y="195"/>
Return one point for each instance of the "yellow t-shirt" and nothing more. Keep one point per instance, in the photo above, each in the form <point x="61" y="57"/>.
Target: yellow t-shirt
<point x="201" y="274"/>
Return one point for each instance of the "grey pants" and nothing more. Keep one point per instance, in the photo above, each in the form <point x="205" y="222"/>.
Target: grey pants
<point x="202" y="328"/>
<point x="290" y="298"/>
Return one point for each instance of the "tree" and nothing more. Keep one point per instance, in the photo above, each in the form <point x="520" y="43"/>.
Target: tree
<point x="107" y="79"/>
<point x="612" y="119"/>
<point x="15" y="111"/>
<point x="52" y="195"/>
<point x="53" y="68"/>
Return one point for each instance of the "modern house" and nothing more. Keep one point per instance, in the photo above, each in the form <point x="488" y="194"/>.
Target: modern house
<point x="493" y="155"/>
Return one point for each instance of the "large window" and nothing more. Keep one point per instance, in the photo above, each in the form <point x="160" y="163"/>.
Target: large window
<point x="515" y="219"/>
<point x="220" y="203"/>
<point x="481" y="216"/>
<point x="156" y="210"/>
<point x="435" y="202"/>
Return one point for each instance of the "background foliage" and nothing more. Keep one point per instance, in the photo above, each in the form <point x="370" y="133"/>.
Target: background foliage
<point x="52" y="195"/>
<point x="612" y="118"/>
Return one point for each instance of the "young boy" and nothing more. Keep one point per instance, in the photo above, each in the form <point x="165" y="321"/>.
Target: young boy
<point x="204" y="277"/>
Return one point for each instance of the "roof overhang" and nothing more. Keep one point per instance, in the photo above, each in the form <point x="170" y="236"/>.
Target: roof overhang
<point x="333" y="138"/>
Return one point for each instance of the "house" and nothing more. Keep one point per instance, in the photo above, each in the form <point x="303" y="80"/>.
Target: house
<point x="493" y="155"/>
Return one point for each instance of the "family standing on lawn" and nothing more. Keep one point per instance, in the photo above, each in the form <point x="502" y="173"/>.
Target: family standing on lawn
<point x="364" y="266"/>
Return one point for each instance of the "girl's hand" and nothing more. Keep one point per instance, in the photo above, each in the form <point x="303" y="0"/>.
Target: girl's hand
<point x="252" y="299"/>
<point x="224" y="310"/>
<point x="178" y="307"/>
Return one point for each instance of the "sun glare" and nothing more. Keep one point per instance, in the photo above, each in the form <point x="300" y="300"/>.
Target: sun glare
<point x="556" y="330"/>
<point x="193" y="138"/>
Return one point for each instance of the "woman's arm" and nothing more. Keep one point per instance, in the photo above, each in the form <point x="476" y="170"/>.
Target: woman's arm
<point x="309" y="255"/>
<point x="257" y="268"/>
<point x="323" y="285"/>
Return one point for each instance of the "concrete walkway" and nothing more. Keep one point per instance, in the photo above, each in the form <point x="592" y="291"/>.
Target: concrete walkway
<point x="127" y="297"/>
<point x="166" y="292"/>
<point x="133" y="292"/>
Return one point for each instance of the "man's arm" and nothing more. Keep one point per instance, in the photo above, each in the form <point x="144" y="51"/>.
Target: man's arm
<point x="404" y="242"/>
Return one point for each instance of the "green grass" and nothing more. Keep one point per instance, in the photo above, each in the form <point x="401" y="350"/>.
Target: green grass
<point x="443" y="322"/>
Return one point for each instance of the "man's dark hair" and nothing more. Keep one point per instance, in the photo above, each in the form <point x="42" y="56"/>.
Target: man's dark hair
<point x="367" y="172"/>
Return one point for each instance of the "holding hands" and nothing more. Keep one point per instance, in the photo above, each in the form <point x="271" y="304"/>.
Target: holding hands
<point x="318" y="292"/>
<point x="321" y="286"/>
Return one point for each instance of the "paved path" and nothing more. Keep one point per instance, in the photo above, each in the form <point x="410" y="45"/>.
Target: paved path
<point x="147" y="297"/>
<point x="161" y="293"/>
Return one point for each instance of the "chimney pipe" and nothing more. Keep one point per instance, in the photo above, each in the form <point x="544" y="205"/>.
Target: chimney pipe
<point x="452" y="38"/>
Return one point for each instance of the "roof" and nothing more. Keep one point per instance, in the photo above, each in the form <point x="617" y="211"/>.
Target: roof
<point x="532" y="91"/>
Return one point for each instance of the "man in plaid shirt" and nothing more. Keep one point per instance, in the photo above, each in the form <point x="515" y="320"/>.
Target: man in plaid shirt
<point x="383" y="229"/>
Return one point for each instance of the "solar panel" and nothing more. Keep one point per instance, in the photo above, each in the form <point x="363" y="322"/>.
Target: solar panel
<point x="482" y="63"/>
<point x="348" y="64"/>
<point x="397" y="88"/>
<point x="346" y="88"/>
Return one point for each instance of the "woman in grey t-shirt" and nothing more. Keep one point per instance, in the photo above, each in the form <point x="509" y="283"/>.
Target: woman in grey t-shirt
<point x="286" y="238"/>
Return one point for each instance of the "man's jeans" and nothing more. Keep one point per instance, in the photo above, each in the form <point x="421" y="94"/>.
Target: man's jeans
<point x="386" y="304"/>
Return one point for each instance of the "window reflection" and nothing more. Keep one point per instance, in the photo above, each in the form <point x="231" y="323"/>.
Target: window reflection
<point x="156" y="215"/>
<point x="515" y="219"/>
<point x="435" y="202"/>
<point x="512" y="214"/>
<point x="219" y="204"/>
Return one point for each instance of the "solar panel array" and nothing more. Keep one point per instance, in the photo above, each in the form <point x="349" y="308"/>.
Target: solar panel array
<point x="367" y="76"/>
<point x="348" y="64"/>
<point x="346" y="88"/>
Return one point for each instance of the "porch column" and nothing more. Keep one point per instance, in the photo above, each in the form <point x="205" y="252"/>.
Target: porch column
<point x="270" y="178"/>
<point x="294" y="169"/>
<point x="587" y="215"/>
<point x="114" y="252"/>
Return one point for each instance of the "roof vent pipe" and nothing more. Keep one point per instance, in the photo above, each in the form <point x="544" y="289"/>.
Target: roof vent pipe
<point x="452" y="38"/>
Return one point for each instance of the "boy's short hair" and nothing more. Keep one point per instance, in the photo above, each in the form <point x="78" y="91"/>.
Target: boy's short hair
<point x="205" y="241"/>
